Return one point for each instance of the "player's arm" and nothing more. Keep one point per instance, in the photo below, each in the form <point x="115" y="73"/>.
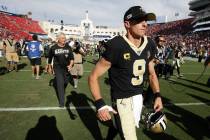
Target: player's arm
<point x="71" y="63"/>
<point x="101" y="67"/>
<point x="154" y="83"/>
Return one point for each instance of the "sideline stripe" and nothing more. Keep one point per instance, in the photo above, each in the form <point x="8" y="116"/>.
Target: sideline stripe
<point x="84" y="107"/>
<point x="187" y="104"/>
<point x="88" y="71"/>
<point x="43" y="108"/>
<point x="30" y="70"/>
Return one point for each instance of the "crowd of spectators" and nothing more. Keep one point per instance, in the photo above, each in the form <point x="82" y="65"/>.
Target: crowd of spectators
<point x="18" y="26"/>
<point x="181" y="33"/>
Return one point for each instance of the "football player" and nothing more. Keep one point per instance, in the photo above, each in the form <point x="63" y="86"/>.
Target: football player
<point x="127" y="59"/>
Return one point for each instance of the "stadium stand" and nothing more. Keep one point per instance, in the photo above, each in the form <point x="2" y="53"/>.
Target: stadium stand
<point x="200" y="9"/>
<point x="18" y="25"/>
<point x="180" y="26"/>
<point x="181" y="31"/>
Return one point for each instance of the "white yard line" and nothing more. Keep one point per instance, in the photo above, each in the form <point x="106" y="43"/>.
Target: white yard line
<point x="42" y="108"/>
<point x="20" y="109"/>
<point x="88" y="71"/>
<point x="195" y="73"/>
<point x="30" y="70"/>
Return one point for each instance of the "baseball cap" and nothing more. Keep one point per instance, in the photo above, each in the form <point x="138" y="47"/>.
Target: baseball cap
<point x="136" y="13"/>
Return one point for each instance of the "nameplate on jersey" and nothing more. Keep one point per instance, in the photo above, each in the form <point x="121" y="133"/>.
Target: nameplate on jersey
<point x="61" y="51"/>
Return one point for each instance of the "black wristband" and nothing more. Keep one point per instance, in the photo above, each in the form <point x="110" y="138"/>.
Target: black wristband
<point x="157" y="94"/>
<point x="99" y="103"/>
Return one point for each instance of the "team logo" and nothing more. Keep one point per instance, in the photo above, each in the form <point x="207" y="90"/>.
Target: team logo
<point x="126" y="56"/>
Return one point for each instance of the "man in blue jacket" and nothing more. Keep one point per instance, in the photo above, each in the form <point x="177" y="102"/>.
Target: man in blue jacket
<point x="35" y="49"/>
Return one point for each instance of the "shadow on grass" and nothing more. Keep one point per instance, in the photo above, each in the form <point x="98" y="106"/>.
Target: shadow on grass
<point x="192" y="124"/>
<point x="161" y="136"/>
<point x="207" y="102"/>
<point x="87" y="115"/>
<point x="193" y="82"/>
<point x="203" y="100"/>
<point x="3" y="70"/>
<point x="94" y="61"/>
<point x="45" y="129"/>
<point x="194" y="87"/>
<point x="21" y="66"/>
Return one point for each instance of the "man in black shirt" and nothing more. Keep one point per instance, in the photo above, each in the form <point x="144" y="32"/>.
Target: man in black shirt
<point x="63" y="58"/>
<point x="127" y="60"/>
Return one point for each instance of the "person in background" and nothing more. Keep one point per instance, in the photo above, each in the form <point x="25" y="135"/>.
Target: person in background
<point x="178" y="55"/>
<point x="77" y="70"/>
<point x="63" y="61"/>
<point x="160" y="62"/>
<point x="34" y="51"/>
<point x="11" y="53"/>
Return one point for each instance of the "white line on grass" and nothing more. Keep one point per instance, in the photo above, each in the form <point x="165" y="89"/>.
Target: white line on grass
<point x="5" y="109"/>
<point x="43" y="108"/>
<point x="195" y="73"/>
<point x="88" y="71"/>
<point x="84" y="71"/>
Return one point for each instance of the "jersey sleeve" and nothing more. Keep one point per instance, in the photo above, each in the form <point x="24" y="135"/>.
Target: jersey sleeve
<point x="112" y="51"/>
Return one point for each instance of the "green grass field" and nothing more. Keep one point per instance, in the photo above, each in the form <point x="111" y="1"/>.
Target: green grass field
<point x="29" y="108"/>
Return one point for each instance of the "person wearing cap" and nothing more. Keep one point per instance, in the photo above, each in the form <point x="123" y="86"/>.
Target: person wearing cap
<point x="128" y="59"/>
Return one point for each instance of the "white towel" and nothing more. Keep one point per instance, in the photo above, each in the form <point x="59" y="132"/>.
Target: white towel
<point x="137" y="108"/>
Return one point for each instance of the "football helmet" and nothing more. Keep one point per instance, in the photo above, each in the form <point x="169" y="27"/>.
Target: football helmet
<point x="156" y="121"/>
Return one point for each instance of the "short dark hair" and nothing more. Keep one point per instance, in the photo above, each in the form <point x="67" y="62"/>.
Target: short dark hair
<point x="157" y="38"/>
<point x="35" y="37"/>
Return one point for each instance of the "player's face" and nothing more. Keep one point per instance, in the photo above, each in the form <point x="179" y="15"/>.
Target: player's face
<point x="137" y="27"/>
<point x="62" y="39"/>
<point x="161" y="41"/>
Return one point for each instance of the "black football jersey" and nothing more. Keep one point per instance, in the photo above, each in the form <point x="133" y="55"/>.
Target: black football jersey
<point x="61" y="55"/>
<point x="129" y="66"/>
<point x="178" y="53"/>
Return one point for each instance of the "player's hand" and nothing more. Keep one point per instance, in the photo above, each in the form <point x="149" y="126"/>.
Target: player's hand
<point x="104" y="113"/>
<point x="69" y="67"/>
<point x="158" y="104"/>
